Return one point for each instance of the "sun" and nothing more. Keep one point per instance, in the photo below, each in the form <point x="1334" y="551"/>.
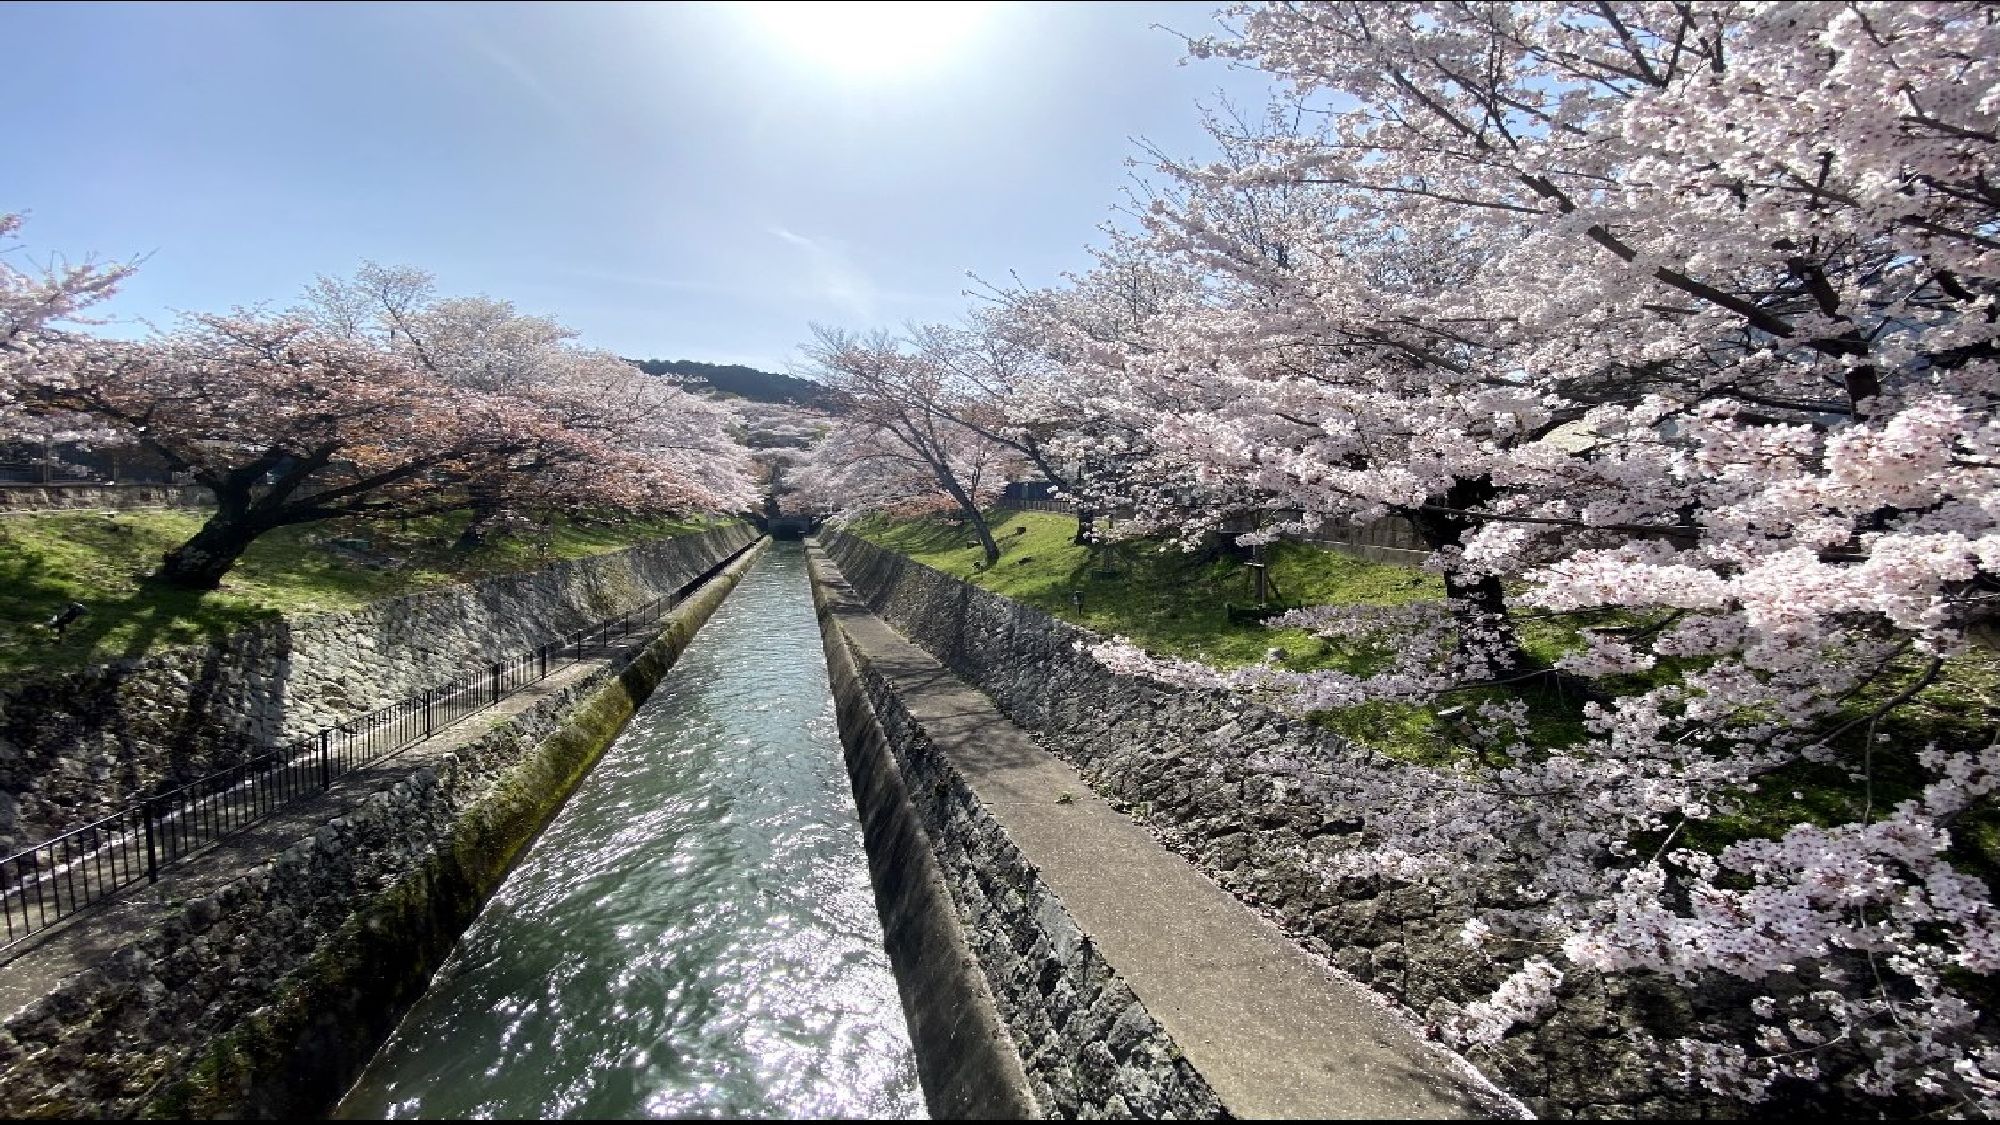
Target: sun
<point x="869" y="39"/>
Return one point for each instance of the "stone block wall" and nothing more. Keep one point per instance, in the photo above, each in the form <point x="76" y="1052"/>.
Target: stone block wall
<point x="1089" y="1047"/>
<point x="76" y="745"/>
<point x="48" y="497"/>
<point x="1191" y="766"/>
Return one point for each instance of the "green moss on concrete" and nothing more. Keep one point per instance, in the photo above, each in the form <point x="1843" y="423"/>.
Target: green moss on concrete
<point x="296" y="1056"/>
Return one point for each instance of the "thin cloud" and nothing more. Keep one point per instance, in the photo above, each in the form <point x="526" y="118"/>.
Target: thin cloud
<point x="521" y="73"/>
<point x="834" y="276"/>
<point x="675" y="284"/>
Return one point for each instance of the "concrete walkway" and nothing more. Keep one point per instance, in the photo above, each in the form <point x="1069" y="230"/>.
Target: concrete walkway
<point x="1270" y="1029"/>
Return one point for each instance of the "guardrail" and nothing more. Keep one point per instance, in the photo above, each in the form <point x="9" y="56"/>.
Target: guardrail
<point x="1017" y="505"/>
<point x="60" y="876"/>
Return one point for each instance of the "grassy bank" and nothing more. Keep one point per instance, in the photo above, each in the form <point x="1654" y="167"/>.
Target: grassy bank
<point x="1173" y="602"/>
<point x="48" y="559"/>
<point x="1166" y="599"/>
<point x="1176" y="603"/>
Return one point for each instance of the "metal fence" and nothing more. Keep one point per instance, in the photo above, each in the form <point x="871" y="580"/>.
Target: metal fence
<point x="60" y="876"/>
<point x="69" y="463"/>
<point x="1016" y="505"/>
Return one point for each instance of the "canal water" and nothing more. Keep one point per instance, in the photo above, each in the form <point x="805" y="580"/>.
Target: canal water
<point x="694" y="935"/>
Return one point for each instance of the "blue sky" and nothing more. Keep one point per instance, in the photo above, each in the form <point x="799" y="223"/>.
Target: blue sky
<point x="673" y="180"/>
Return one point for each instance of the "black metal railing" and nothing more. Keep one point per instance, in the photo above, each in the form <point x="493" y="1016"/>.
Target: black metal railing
<point x="58" y="877"/>
<point x="1049" y="505"/>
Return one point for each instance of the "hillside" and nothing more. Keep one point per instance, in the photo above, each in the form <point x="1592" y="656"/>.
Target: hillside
<point x="743" y="382"/>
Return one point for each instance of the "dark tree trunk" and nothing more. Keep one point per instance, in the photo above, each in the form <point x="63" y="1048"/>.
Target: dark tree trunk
<point x="966" y="507"/>
<point x="1481" y="609"/>
<point x="977" y="519"/>
<point x="487" y="508"/>
<point x="986" y="543"/>
<point x="201" y="562"/>
<point x="1479" y="606"/>
<point x="1086" y="526"/>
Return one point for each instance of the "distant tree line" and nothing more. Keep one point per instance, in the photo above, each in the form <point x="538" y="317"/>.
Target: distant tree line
<point x="744" y="382"/>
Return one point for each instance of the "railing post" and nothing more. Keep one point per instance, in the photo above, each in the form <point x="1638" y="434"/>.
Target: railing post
<point x="430" y="695"/>
<point x="495" y="675"/>
<point x="152" y="846"/>
<point x="542" y="661"/>
<point x="325" y="753"/>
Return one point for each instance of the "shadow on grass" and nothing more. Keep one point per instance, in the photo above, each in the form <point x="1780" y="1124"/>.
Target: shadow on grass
<point x="113" y="626"/>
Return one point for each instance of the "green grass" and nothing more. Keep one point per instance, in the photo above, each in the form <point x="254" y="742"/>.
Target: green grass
<point x="48" y="559"/>
<point x="1172" y="603"/>
<point x="1167" y="600"/>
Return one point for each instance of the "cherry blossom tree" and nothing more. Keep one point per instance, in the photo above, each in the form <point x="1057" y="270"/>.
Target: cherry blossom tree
<point x="860" y="469"/>
<point x="652" y="445"/>
<point x="285" y="425"/>
<point x="780" y="438"/>
<point x="41" y="307"/>
<point x="418" y="406"/>
<point x="907" y="434"/>
<point x="1683" y="312"/>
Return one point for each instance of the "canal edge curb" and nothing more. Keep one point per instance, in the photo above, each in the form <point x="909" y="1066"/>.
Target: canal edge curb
<point x="967" y="1061"/>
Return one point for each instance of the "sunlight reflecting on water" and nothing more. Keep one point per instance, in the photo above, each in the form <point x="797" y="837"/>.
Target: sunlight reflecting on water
<point x="694" y="935"/>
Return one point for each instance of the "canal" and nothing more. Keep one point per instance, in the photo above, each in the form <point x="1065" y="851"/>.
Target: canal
<point x="694" y="935"/>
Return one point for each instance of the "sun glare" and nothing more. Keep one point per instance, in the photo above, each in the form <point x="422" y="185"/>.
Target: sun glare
<point x="869" y="39"/>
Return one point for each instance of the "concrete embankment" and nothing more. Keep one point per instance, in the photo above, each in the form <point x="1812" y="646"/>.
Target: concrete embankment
<point x="1056" y="960"/>
<point x="257" y="978"/>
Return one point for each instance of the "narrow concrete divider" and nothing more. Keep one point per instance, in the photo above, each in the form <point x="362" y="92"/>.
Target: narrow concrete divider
<point x="1127" y="982"/>
<point x="259" y="978"/>
<point x="965" y="1058"/>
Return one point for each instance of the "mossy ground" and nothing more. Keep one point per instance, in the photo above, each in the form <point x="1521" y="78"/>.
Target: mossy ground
<point x="101" y="559"/>
<point x="1172" y="602"/>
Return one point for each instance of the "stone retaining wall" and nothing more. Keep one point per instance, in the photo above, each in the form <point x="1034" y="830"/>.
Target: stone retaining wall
<point x="258" y="982"/>
<point x="47" y="497"/>
<point x="1041" y="1025"/>
<point x="1185" y="763"/>
<point x="76" y="745"/>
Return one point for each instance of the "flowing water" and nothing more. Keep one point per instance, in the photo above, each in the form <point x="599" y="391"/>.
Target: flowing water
<point x="694" y="935"/>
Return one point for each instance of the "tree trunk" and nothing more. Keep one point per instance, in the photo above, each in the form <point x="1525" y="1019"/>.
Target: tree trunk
<point x="200" y="563"/>
<point x="1479" y="606"/>
<point x="1481" y="610"/>
<point x="1086" y="526"/>
<point x="487" y="508"/>
<point x="965" y="505"/>
<point x="986" y="542"/>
